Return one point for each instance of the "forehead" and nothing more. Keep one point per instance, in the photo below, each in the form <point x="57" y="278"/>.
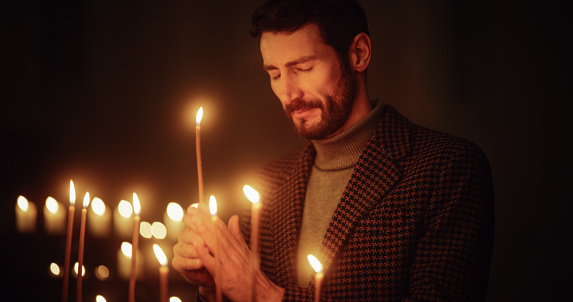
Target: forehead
<point x="282" y="47"/>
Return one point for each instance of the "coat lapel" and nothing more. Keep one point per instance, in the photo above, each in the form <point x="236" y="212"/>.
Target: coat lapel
<point x="374" y="176"/>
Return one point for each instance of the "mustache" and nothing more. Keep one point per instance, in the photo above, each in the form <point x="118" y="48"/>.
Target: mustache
<point x="300" y="104"/>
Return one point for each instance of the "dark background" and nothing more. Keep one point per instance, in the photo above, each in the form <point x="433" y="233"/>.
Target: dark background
<point x="105" y="93"/>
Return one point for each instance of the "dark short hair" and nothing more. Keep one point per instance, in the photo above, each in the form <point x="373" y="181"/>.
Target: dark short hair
<point x="339" y="21"/>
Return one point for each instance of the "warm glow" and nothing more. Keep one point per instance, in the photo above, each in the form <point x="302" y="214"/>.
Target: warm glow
<point x="72" y="193"/>
<point x="195" y="205"/>
<point x="86" y="200"/>
<point x="175" y="211"/>
<point x="174" y="299"/>
<point x="199" y="116"/>
<point x="23" y="203"/>
<point x="126" y="249"/>
<point x="158" y="230"/>
<point x="98" y="206"/>
<point x="102" y="272"/>
<point x="145" y="229"/>
<point x="252" y="194"/>
<point x="213" y="205"/>
<point x="136" y="206"/>
<point x="52" y="205"/>
<point x="100" y="298"/>
<point x="160" y="255"/>
<point x="315" y="263"/>
<point x="124" y="208"/>
<point x="54" y="269"/>
<point x="76" y="269"/>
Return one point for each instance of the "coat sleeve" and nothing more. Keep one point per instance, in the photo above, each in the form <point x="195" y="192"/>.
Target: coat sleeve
<point x="453" y="256"/>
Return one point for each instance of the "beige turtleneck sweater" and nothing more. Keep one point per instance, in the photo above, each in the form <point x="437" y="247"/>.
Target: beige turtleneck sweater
<point x="334" y="163"/>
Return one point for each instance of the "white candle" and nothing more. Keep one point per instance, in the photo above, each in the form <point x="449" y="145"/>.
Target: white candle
<point x="213" y="210"/>
<point x="173" y="220"/>
<point x="123" y="220"/>
<point x="26" y="215"/>
<point x="135" y="244"/>
<point x="163" y="272"/>
<point x="317" y="277"/>
<point x="54" y="217"/>
<point x="99" y="217"/>
<point x="124" y="262"/>
<point x="256" y="206"/>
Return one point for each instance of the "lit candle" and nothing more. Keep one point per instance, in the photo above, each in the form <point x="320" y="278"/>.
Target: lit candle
<point x="256" y="206"/>
<point x="70" y="227"/>
<point x="135" y="244"/>
<point x="99" y="223"/>
<point x="163" y="272"/>
<point x="173" y="220"/>
<point x="123" y="220"/>
<point x="81" y="248"/>
<point x="213" y="210"/>
<point x="100" y="298"/>
<point x="26" y="213"/>
<point x="198" y="152"/>
<point x="124" y="262"/>
<point x="317" y="277"/>
<point x="54" y="219"/>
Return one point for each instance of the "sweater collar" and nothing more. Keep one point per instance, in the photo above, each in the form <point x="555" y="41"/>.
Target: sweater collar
<point x="343" y="150"/>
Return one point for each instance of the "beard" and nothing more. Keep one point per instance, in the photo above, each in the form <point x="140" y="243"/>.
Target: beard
<point x="335" y="110"/>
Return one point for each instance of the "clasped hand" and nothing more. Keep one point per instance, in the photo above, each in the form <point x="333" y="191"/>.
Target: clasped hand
<point x="194" y="258"/>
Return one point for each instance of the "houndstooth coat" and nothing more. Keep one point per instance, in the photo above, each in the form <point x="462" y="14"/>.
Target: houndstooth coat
<point x="415" y="222"/>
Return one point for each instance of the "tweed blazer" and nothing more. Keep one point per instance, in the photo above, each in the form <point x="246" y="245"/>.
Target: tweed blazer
<point x="415" y="222"/>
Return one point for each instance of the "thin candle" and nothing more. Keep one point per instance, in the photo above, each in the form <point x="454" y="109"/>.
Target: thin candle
<point x="256" y="206"/>
<point x="198" y="152"/>
<point x="71" y="210"/>
<point x="134" y="244"/>
<point x="26" y="213"/>
<point x="81" y="248"/>
<point x="163" y="272"/>
<point x="317" y="277"/>
<point x="213" y="210"/>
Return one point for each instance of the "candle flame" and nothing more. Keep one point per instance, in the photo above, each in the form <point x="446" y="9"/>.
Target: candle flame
<point x="72" y="193"/>
<point x="315" y="263"/>
<point x="252" y="194"/>
<point x="126" y="249"/>
<point x="55" y="269"/>
<point x="124" y="208"/>
<point x="23" y="203"/>
<point x="76" y="266"/>
<point x="100" y="298"/>
<point x="136" y="205"/>
<point x="195" y="205"/>
<point x="199" y="116"/>
<point x="213" y="205"/>
<point x="52" y="205"/>
<point x="98" y="206"/>
<point x="86" y="200"/>
<point x="158" y="230"/>
<point x="145" y="229"/>
<point x="160" y="255"/>
<point x="175" y="211"/>
<point x="174" y="299"/>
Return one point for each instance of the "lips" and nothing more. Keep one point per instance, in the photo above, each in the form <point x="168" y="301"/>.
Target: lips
<point x="300" y="107"/>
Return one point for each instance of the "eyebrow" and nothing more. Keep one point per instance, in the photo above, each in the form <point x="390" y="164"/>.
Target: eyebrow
<point x="291" y="63"/>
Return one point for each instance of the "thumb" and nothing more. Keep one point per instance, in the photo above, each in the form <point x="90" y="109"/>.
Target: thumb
<point x="235" y="229"/>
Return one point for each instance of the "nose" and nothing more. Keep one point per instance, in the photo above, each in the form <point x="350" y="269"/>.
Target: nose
<point x="287" y="89"/>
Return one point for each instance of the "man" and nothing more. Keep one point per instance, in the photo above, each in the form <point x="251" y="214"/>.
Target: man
<point x="394" y="211"/>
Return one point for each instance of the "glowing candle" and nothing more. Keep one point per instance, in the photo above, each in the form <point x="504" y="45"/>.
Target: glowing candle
<point x="135" y="244"/>
<point x="256" y="205"/>
<point x="163" y="272"/>
<point x="81" y="248"/>
<point x="54" y="217"/>
<point x="317" y="277"/>
<point x="100" y="298"/>
<point x="213" y="210"/>
<point x="198" y="152"/>
<point x="26" y="213"/>
<point x="71" y="210"/>
<point x="99" y="223"/>
<point x="124" y="262"/>
<point x="173" y="220"/>
<point x="123" y="220"/>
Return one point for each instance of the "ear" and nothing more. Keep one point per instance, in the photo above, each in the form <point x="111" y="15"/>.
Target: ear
<point x="359" y="52"/>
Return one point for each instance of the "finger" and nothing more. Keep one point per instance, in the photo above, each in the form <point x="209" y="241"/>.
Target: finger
<point x="184" y="250"/>
<point x="231" y="248"/>
<point x="235" y="229"/>
<point x="182" y="264"/>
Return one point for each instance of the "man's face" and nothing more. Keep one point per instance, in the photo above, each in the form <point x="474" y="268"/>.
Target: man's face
<point x="316" y="92"/>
